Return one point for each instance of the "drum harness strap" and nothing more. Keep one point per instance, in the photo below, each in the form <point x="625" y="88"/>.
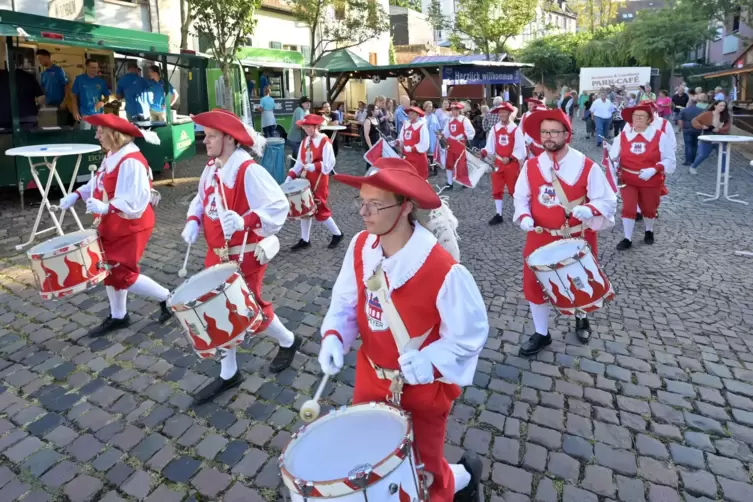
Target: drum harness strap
<point x="224" y="252"/>
<point x="566" y="231"/>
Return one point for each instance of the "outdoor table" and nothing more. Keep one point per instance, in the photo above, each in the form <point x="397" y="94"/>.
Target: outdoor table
<point x="725" y="142"/>
<point x="334" y="129"/>
<point x="55" y="152"/>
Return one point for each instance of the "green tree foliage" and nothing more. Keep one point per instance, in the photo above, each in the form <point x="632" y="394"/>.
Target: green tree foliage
<point x="393" y="56"/>
<point x="489" y="24"/>
<point x="410" y="4"/>
<point x="437" y="19"/>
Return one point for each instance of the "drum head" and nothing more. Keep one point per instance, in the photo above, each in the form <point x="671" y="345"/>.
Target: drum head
<point x="202" y="283"/>
<point x="556" y="252"/>
<point x="340" y="442"/>
<point x="62" y="241"/>
<point x="294" y="186"/>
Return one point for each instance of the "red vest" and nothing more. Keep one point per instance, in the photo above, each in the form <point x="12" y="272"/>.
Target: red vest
<point x="113" y="224"/>
<point x="411" y="134"/>
<point x="545" y="213"/>
<point x="640" y="154"/>
<point x="415" y="301"/>
<point x="457" y="127"/>
<point x="312" y="154"/>
<point x="236" y="200"/>
<point x="504" y="144"/>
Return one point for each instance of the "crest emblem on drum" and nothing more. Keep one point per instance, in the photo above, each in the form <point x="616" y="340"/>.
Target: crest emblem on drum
<point x="638" y="147"/>
<point x="374" y="313"/>
<point x="503" y="140"/>
<point x="408" y="134"/>
<point x="547" y="196"/>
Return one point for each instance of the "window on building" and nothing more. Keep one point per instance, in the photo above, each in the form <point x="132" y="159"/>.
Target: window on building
<point x="275" y="45"/>
<point x="340" y="11"/>
<point x="372" y="58"/>
<point x="290" y="47"/>
<point x="736" y="21"/>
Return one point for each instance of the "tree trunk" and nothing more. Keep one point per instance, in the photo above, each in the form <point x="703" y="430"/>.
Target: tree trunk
<point x="313" y="60"/>
<point x="185" y="22"/>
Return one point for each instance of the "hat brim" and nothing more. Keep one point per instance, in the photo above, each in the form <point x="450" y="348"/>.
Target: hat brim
<point x="115" y="123"/>
<point x="398" y="181"/>
<point x="533" y="123"/>
<point x="226" y="124"/>
<point x="416" y="110"/>
<point x="627" y="113"/>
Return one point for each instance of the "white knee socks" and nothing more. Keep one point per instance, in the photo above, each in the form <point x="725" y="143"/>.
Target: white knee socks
<point x="306" y="229"/>
<point x="332" y="226"/>
<point x="118" y="302"/>
<point x="628" y="225"/>
<point x="540" y="313"/>
<point x="145" y="286"/>
<point x="228" y="364"/>
<point x="278" y="331"/>
<point x="500" y="205"/>
<point x="462" y="476"/>
<point x="449" y="177"/>
<point x="649" y="224"/>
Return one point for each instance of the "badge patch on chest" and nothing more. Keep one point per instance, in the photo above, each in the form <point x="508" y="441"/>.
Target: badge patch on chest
<point x="211" y="207"/>
<point x="453" y="128"/>
<point x="408" y="134"/>
<point x="374" y="313"/>
<point x="547" y="196"/>
<point x="637" y="148"/>
<point x="503" y="140"/>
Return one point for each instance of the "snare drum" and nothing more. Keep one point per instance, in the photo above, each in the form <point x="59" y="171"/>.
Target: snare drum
<point x="355" y="453"/>
<point x="570" y="276"/>
<point x="68" y="264"/>
<point x="300" y="197"/>
<point x="216" y="308"/>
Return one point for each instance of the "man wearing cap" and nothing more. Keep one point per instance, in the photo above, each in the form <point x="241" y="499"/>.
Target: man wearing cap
<point x="316" y="159"/>
<point x="506" y="142"/>
<point x="558" y="178"/>
<point x="420" y="315"/>
<point x="459" y="129"/>
<point x="414" y="140"/>
<point x="120" y="195"/>
<point x="646" y="155"/>
<point x="238" y="201"/>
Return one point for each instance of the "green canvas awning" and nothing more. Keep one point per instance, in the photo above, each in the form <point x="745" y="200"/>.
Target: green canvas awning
<point x="340" y="60"/>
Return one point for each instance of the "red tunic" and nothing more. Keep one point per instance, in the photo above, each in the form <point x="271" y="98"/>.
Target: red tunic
<point x="455" y="149"/>
<point x="312" y="154"/>
<point x="640" y="154"/>
<point x="504" y="175"/>
<point x="412" y="137"/>
<point x="429" y="405"/>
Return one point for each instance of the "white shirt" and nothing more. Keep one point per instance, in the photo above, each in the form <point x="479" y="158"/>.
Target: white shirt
<point x="602" y="108"/>
<point x="423" y="131"/>
<point x="668" y="159"/>
<point x="464" y="325"/>
<point x="467" y="133"/>
<point x="328" y="154"/>
<point x="518" y="151"/>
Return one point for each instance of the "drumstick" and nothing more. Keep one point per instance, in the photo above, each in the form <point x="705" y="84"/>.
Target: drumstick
<point x="243" y="248"/>
<point x="311" y="409"/>
<point x="182" y="272"/>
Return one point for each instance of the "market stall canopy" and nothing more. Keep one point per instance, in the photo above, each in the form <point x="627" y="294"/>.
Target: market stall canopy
<point x="341" y="59"/>
<point x="270" y="58"/>
<point x="454" y="58"/>
<point x="42" y="29"/>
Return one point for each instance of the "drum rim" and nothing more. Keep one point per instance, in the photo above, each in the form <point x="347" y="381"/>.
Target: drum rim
<point x="567" y="260"/>
<point x="87" y="237"/>
<point x="296" y="484"/>
<point x="216" y="290"/>
<point x="303" y="181"/>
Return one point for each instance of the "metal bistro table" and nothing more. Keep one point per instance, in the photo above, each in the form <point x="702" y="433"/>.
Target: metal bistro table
<point x="55" y="152"/>
<point x="725" y="142"/>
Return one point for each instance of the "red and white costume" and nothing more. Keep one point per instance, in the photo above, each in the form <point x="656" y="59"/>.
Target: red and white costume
<point x="414" y="140"/>
<point x="535" y="198"/>
<point x="533" y="149"/>
<point x="444" y="316"/>
<point x="460" y="129"/>
<point x="504" y="141"/>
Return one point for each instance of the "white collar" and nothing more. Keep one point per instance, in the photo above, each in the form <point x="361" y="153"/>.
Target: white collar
<point x="112" y="160"/>
<point x="229" y="172"/>
<point x="404" y="264"/>
<point x="317" y="138"/>
<point x="571" y="166"/>
<point x="648" y="134"/>
<point x="510" y="126"/>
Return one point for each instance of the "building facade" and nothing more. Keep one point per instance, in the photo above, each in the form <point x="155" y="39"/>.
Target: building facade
<point x="732" y="36"/>
<point x="552" y="18"/>
<point x="129" y="14"/>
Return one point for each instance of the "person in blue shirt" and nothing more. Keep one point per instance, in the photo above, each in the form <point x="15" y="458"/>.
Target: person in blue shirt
<point x="251" y="86"/>
<point x="158" y="102"/>
<point x="268" y="120"/>
<point x="135" y="89"/>
<point x="89" y="94"/>
<point x="54" y="80"/>
<point x="264" y="81"/>
<point x="401" y="115"/>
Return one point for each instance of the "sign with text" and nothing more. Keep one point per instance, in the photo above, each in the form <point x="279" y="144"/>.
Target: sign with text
<point x="628" y="78"/>
<point x="470" y="75"/>
<point x="70" y="10"/>
<point x="285" y="106"/>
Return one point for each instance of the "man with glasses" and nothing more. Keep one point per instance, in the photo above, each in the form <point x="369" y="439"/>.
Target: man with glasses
<point x="558" y="178"/>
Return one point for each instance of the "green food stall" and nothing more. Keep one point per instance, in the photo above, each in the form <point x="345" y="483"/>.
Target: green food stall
<point x="70" y="43"/>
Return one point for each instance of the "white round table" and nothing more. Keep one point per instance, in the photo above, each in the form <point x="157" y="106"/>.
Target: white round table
<point x="54" y="152"/>
<point x="334" y="129"/>
<point x="722" y="172"/>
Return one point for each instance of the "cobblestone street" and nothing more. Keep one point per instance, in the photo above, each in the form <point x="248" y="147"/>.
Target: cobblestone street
<point x="659" y="406"/>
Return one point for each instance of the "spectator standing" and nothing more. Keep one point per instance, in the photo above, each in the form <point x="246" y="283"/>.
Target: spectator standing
<point x="432" y="123"/>
<point x="719" y="94"/>
<point x="680" y="100"/>
<point x="135" y="90"/>
<point x="89" y="94"/>
<point x="588" y="117"/>
<point x="267" y="109"/>
<point x="491" y="119"/>
<point x="602" y="111"/>
<point x="401" y="114"/>
<point x="716" y="120"/>
<point x="664" y="104"/>
<point x="619" y="104"/>
<point x="158" y="108"/>
<point x="295" y="133"/>
<point x="689" y="133"/>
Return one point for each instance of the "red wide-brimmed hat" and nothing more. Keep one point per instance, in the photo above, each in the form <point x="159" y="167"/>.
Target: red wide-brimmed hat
<point x="651" y="103"/>
<point x="627" y="113"/>
<point x="533" y="101"/>
<point x="503" y="106"/>
<point x="119" y="124"/>
<point x="417" y="110"/>
<point x="399" y="177"/>
<point x="311" y="119"/>
<point x="227" y="123"/>
<point x="533" y="123"/>
<point x="457" y="105"/>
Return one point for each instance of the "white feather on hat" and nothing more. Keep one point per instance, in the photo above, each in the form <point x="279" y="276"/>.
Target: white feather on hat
<point x="150" y="137"/>
<point x="443" y="224"/>
<point x="259" y="140"/>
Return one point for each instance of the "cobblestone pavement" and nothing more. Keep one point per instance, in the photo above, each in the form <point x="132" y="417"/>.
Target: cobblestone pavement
<point x="658" y="407"/>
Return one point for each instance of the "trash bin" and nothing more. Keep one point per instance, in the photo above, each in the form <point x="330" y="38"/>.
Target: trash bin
<point x="274" y="159"/>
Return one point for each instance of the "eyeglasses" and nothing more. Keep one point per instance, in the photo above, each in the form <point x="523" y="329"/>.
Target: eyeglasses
<point x="371" y="208"/>
<point x="553" y="134"/>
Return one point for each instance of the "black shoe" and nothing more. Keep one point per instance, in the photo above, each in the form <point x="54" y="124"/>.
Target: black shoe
<point x="285" y="356"/>
<point x="624" y="244"/>
<point x="496" y="220"/>
<point x="165" y="313"/>
<point x="582" y="329"/>
<point x="335" y="241"/>
<point x="217" y="387"/>
<point x="301" y="245"/>
<point x="109" y="325"/>
<point x="473" y="465"/>
<point x="534" y="344"/>
<point x="639" y="217"/>
<point x="448" y="187"/>
<point x="649" y="237"/>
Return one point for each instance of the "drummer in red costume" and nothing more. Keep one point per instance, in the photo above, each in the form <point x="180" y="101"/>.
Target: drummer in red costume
<point x="316" y="160"/>
<point x="120" y="195"/>
<point x="506" y="142"/>
<point x="459" y="128"/>
<point x="538" y="204"/>
<point x="252" y="204"/>
<point x="414" y="140"/>
<point x="645" y="155"/>
<point x="434" y="307"/>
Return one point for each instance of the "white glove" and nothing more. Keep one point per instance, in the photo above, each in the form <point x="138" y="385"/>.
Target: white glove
<point x="96" y="206"/>
<point x="526" y="224"/>
<point x="310" y="168"/>
<point x="407" y="149"/>
<point x="583" y="213"/>
<point x="190" y="232"/>
<point x="231" y="222"/>
<point x="416" y="368"/>
<point x="646" y="174"/>
<point x="68" y="201"/>
<point x="266" y="249"/>
<point x="331" y="355"/>
<point x="288" y="179"/>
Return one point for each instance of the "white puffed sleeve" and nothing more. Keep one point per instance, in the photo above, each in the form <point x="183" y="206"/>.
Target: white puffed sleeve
<point x="667" y="149"/>
<point x="470" y="132"/>
<point x="463" y="330"/>
<point x="522" y="197"/>
<point x="602" y="198"/>
<point x="614" y="151"/>
<point x="341" y="316"/>
<point x="424" y="141"/>
<point x="196" y="207"/>
<point x="491" y="138"/>
<point x="519" y="150"/>
<point x="266" y="200"/>
<point x="328" y="156"/>
<point x="85" y="192"/>
<point x="299" y="161"/>
<point x="132" y="190"/>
